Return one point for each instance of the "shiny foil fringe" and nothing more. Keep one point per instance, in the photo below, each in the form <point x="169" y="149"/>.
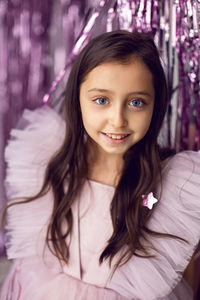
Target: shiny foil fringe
<point x="39" y="40"/>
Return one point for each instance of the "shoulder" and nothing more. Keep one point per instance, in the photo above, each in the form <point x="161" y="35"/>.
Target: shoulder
<point x="184" y="163"/>
<point x="180" y="180"/>
<point x="179" y="201"/>
<point x="177" y="213"/>
<point x="38" y="135"/>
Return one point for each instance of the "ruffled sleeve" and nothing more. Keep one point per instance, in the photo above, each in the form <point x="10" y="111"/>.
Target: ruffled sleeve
<point x="178" y="213"/>
<point x="39" y="134"/>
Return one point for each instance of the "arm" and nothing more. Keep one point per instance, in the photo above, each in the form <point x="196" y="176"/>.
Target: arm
<point x="188" y="274"/>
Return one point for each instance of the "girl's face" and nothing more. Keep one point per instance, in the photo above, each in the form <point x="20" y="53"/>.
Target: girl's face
<point x="117" y="102"/>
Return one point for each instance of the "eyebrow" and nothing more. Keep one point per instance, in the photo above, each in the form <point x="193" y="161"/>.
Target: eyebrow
<point x="144" y="93"/>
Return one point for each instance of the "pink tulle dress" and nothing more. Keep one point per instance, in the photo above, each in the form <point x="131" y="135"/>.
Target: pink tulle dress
<point x="36" y="273"/>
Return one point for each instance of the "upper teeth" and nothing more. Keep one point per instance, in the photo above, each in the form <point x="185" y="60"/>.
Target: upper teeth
<point x="117" y="137"/>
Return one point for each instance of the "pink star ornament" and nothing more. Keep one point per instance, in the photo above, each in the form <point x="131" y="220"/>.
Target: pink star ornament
<point x="149" y="200"/>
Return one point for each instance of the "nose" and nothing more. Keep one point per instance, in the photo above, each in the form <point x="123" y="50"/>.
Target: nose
<point x="118" y="116"/>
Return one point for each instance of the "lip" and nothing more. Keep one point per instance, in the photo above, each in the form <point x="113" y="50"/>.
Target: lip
<point x="119" y="133"/>
<point x="116" y="142"/>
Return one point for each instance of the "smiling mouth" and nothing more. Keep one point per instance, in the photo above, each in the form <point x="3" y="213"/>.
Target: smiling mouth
<point x="116" y="136"/>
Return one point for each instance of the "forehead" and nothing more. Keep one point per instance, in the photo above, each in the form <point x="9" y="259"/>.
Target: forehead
<point x="133" y="74"/>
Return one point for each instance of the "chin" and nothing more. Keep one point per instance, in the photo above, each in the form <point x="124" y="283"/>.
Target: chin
<point x="115" y="151"/>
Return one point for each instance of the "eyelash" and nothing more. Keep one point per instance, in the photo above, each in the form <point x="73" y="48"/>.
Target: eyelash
<point x="95" y="100"/>
<point x="138" y="100"/>
<point x="135" y="107"/>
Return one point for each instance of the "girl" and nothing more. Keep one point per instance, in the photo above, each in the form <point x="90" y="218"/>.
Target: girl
<point x="99" y="210"/>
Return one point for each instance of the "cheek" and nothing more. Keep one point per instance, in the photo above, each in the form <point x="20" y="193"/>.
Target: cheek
<point x="142" y="122"/>
<point x="91" y="118"/>
<point x="91" y="122"/>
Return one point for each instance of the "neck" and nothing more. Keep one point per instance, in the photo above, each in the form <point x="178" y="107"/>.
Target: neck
<point x="104" y="167"/>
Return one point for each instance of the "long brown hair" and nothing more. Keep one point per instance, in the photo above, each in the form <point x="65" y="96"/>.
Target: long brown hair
<point x="142" y="162"/>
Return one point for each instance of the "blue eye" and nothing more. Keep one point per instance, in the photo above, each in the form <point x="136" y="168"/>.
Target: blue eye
<point x="137" y="103"/>
<point x="101" y="101"/>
